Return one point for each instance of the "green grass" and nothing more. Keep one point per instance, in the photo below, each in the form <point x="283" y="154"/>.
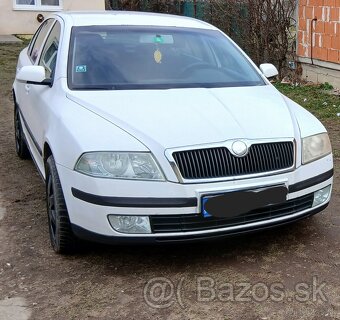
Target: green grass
<point x="315" y="98"/>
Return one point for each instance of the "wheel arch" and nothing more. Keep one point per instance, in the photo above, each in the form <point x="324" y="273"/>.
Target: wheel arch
<point x="15" y="102"/>
<point x="14" y="96"/>
<point x="47" y="152"/>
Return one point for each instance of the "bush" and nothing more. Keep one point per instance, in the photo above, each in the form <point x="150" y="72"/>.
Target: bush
<point x="265" y="29"/>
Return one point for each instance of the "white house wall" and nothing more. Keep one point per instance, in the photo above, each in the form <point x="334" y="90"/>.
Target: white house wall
<point x="25" y="22"/>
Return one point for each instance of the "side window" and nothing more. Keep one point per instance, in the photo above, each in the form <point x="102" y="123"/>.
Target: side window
<point x="38" y="39"/>
<point x="32" y="42"/>
<point x="48" y="57"/>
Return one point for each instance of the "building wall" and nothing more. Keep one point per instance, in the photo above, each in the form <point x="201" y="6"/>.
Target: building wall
<point x="318" y="43"/>
<point x="25" y="22"/>
<point x="323" y="34"/>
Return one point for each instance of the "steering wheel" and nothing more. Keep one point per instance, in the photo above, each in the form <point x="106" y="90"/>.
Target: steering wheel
<point x="197" y="66"/>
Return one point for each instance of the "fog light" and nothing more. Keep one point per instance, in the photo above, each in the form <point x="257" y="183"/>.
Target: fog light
<point x="321" y="195"/>
<point x="130" y="224"/>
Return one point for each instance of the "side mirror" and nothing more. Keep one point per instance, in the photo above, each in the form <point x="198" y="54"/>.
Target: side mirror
<point x="33" y="75"/>
<point x="268" y="70"/>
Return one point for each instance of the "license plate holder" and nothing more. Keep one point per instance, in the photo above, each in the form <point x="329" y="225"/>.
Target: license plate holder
<point x="235" y="203"/>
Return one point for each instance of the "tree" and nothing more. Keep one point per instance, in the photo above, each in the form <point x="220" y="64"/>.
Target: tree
<point x="265" y="29"/>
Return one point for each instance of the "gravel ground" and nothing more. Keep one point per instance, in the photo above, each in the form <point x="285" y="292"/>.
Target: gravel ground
<point x="287" y="273"/>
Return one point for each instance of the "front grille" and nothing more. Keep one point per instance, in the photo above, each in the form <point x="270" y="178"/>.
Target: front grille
<point x="196" y="222"/>
<point x="220" y="162"/>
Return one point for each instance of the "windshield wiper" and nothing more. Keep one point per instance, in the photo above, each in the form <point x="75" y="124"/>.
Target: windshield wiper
<point x="95" y="87"/>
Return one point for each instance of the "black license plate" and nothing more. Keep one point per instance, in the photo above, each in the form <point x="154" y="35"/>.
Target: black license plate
<point x="235" y="203"/>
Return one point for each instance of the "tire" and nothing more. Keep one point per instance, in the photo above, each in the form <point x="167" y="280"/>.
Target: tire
<point x="61" y="236"/>
<point x="20" y="143"/>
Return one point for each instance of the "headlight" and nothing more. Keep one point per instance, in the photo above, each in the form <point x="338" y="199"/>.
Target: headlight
<point x="119" y="165"/>
<point x="315" y="147"/>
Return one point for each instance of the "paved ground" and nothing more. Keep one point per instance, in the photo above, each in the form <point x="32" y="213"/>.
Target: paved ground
<point x="8" y="38"/>
<point x="287" y="273"/>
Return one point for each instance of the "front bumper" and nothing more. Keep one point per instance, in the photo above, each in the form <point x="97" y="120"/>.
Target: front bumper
<point x="90" y="201"/>
<point x="87" y="235"/>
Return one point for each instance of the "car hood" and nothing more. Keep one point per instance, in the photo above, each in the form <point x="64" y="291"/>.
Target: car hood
<point x="184" y="117"/>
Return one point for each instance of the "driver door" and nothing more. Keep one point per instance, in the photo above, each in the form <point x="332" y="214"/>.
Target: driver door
<point x="42" y="95"/>
<point x="24" y="96"/>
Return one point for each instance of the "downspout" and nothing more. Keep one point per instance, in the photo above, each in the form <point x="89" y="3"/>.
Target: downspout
<point x="311" y="38"/>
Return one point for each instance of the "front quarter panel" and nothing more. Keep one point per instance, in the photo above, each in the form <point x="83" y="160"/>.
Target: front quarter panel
<point x="308" y="124"/>
<point x="72" y="130"/>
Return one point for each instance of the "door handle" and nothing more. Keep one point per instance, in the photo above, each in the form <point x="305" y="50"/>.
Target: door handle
<point x="27" y="88"/>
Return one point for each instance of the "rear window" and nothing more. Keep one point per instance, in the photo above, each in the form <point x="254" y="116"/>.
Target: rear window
<point x="113" y="58"/>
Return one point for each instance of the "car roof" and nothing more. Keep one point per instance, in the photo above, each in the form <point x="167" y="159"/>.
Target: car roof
<point x="130" y="18"/>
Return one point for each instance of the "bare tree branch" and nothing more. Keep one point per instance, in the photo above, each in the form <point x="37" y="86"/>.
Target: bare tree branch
<point x="263" y="28"/>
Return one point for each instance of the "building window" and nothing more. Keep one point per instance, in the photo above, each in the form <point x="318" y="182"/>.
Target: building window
<point x="41" y="5"/>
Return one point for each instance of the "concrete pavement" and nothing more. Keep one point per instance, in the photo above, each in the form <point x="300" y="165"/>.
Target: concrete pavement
<point x="9" y="38"/>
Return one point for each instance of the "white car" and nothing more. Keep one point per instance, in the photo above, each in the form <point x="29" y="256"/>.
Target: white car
<point x="151" y="128"/>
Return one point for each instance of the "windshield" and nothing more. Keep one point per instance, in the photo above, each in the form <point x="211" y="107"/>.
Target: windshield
<point x="116" y="58"/>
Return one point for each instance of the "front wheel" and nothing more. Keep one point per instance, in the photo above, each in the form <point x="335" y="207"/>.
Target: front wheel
<point x="61" y="235"/>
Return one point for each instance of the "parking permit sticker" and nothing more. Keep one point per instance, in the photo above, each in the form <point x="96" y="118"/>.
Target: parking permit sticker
<point x="82" y="68"/>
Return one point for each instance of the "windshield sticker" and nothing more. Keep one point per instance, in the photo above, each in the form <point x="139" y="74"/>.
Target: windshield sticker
<point x="157" y="56"/>
<point x="158" y="39"/>
<point x="82" y="68"/>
